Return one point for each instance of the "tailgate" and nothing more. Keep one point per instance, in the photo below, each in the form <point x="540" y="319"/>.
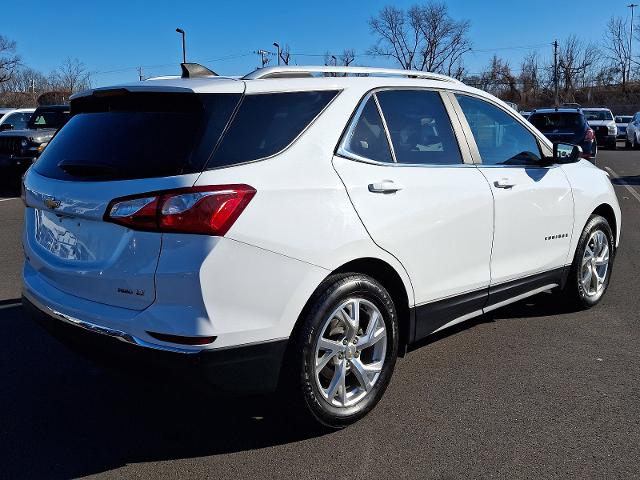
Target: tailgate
<point x="70" y="246"/>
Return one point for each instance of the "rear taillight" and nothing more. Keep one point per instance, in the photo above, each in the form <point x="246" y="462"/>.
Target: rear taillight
<point x="209" y="210"/>
<point x="589" y="136"/>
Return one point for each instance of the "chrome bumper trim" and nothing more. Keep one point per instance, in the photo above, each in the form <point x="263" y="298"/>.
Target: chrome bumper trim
<point x="109" y="332"/>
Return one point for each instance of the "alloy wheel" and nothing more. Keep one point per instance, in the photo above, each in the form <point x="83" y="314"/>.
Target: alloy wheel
<point x="350" y="352"/>
<point x="595" y="264"/>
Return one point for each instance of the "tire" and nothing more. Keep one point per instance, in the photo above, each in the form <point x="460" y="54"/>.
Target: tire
<point x="627" y="143"/>
<point x="613" y="146"/>
<point x="311" y="387"/>
<point x="577" y="291"/>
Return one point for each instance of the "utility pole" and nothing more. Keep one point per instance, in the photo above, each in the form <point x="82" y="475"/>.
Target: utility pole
<point x="140" y="74"/>
<point x="264" y="56"/>
<point x="555" y="72"/>
<point x="632" y="6"/>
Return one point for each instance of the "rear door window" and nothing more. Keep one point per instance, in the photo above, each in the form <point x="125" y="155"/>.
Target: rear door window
<point x="124" y="135"/>
<point x="420" y="129"/>
<point x="266" y="124"/>
<point x="368" y="138"/>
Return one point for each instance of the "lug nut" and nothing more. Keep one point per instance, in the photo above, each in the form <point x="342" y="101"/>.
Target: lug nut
<point x="345" y="341"/>
<point x="357" y="354"/>
<point x="355" y="340"/>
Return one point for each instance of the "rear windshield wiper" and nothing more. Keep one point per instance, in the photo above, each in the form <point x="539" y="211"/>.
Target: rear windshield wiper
<point x="87" y="170"/>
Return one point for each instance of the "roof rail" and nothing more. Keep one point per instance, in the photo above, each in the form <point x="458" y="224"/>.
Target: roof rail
<point x="305" y="72"/>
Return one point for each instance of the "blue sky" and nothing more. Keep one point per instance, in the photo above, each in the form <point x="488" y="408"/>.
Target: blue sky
<point x="114" y="37"/>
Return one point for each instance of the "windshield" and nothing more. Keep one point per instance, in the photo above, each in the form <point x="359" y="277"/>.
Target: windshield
<point x="598" y="115"/>
<point x="623" y="119"/>
<point x="557" y="121"/>
<point x="18" y="120"/>
<point x="43" y="118"/>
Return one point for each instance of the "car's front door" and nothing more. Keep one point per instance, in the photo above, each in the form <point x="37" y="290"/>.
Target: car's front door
<point x="404" y="172"/>
<point x="533" y="202"/>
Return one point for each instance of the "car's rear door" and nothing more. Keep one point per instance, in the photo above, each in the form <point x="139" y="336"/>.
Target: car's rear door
<point x="533" y="201"/>
<point x="421" y="199"/>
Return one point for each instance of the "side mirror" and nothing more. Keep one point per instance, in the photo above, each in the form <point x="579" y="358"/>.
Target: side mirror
<point x="6" y="126"/>
<point x="566" y="153"/>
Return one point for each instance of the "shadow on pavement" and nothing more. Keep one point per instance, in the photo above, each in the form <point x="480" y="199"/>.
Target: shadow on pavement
<point x="63" y="417"/>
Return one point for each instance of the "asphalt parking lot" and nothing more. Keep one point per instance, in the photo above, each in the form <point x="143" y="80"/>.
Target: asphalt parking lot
<point x="532" y="391"/>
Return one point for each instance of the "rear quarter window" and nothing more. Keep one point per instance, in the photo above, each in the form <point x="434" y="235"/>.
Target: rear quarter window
<point x="266" y="124"/>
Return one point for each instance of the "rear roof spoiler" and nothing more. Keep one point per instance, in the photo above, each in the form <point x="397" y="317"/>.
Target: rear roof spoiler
<point x="194" y="70"/>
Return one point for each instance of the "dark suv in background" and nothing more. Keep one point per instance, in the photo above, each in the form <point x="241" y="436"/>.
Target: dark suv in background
<point x="566" y="125"/>
<point x="20" y="148"/>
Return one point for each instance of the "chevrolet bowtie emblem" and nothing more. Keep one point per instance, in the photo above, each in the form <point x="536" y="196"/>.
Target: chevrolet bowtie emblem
<point x="52" y="203"/>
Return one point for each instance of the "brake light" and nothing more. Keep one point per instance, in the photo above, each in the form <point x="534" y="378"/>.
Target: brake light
<point x="589" y="136"/>
<point x="206" y="210"/>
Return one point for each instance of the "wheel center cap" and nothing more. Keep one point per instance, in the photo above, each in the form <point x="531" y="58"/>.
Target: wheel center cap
<point x="350" y="351"/>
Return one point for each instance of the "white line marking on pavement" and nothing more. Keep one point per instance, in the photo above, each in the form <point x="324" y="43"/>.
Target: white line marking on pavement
<point x="625" y="185"/>
<point x="7" y="199"/>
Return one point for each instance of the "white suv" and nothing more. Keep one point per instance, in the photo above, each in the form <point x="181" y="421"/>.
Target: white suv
<point x="299" y="228"/>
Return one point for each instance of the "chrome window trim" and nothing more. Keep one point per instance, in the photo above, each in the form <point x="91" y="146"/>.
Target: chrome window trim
<point x="457" y="127"/>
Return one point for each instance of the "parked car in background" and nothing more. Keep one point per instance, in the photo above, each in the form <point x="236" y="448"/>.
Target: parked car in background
<point x="19" y="148"/>
<point x="621" y="122"/>
<point x="14" y="118"/>
<point x="293" y="230"/>
<point x="567" y="125"/>
<point x="603" y="124"/>
<point x="633" y="132"/>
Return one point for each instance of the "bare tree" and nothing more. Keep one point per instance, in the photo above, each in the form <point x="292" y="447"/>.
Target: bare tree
<point x="423" y="38"/>
<point x="9" y="61"/>
<point x="71" y="76"/>
<point x="530" y="77"/>
<point x="578" y="64"/>
<point x="616" y="49"/>
<point x="285" y="54"/>
<point x="499" y="80"/>
<point x="348" y="57"/>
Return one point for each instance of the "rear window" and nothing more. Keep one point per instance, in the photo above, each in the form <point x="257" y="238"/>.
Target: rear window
<point x="557" y="121"/>
<point x="265" y="124"/>
<point x="43" y="118"/>
<point x="598" y="115"/>
<point x="122" y="135"/>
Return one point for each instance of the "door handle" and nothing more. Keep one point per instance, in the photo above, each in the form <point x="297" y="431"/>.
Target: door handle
<point x="504" y="183"/>
<point x="384" y="186"/>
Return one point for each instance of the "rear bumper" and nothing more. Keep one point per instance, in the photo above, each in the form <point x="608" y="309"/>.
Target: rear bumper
<point x="247" y="369"/>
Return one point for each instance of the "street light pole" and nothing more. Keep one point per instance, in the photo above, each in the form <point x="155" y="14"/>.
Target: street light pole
<point x="632" y="6"/>
<point x="275" y="44"/>
<point x="184" y="48"/>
